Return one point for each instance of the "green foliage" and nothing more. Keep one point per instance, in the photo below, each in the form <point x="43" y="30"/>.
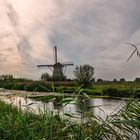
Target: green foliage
<point x="100" y="80"/>
<point x="128" y="120"/>
<point x="10" y="78"/>
<point x="58" y="78"/>
<point x="111" y="91"/>
<point x="22" y="80"/>
<point x="6" y="78"/>
<point x="46" y="77"/>
<point x="126" y="93"/>
<point x="84" y="75"/>
<point x="19" y="86"/>
<point x="106" y="88"/>
<point x="8" y="85"/>
<point x="17" y="125"/>
<point x="38" y="86"/>
<point x="92" y="92"/>
<point x="137" y="79"/>
<point x="122" y="80"/>
<point x="114" y="80"/>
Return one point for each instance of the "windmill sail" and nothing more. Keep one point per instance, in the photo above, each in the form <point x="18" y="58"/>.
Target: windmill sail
<point x="57" y="67"/>
<point x="55" y="55"/>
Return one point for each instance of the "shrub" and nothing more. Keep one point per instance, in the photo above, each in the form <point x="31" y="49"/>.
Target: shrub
<point x="45" y="76"/>
<point x="8" y="85"/>
<point x="110" y="91"/>
<point x="136" y="93"/>
<point x="58" y="78"/>
<point x="19" y="86"/>
<point x="38" y="86"/>
<point x="114" y="92"/>
<point x="137" y="79"/>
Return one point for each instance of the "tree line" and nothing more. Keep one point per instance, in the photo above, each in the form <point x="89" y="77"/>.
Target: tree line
<point x="84" y="76"/>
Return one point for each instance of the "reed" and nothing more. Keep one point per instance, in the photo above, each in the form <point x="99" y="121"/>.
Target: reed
<point x="48" y="125"/>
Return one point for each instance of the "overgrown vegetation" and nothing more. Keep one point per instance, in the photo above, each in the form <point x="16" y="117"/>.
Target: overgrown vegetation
<point x="17" y="125"/>
<point x="120" y="88"/>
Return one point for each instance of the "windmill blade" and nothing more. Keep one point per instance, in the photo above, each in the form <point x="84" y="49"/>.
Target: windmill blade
<point x="67" y="63"/>
<point x="135" y="50"/>
<point x="132" y="45"/>
<point x="49" y="66"/>
<point x="131" y="55"/>
<point x="39" y="66"/>
<point x="55" y="53"/>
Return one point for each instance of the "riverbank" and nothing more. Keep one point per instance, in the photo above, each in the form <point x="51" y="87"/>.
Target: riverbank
<point x="113" y="90"/>
<point x="32" y="94"/>
<point x="15" y="124"/>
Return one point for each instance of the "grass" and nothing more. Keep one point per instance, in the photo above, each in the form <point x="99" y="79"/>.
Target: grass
<point x="18" y="125"/>
<point x="118" y="89"/>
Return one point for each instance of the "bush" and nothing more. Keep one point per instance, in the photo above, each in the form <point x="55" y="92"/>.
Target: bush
<point x="46" y="77"/>
<point x="1" y="84"/>
<point x="136" y="93"/>
<point x="8" y="85"/>
<point x="110" y="91"/>
<point x="58" y="78"/>
<point x="38" y="86"/>
<point x="137" y="79"/>
<point x="19" y="86"/>
<point x="114" y="92"/>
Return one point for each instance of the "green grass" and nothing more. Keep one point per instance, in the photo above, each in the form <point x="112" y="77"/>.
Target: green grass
<point x="119" y="89"/>
<point x="18" y="125"/>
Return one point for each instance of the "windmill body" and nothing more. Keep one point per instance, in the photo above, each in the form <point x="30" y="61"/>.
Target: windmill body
<point x="57" y="68"/>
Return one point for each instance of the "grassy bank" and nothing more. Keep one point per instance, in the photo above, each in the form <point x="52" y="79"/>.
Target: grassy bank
<point x="16" y="125"/>
<point x="119" y="89"/>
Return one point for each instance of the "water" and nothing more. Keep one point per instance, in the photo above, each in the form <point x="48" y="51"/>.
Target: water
<point x="101" y="107"/>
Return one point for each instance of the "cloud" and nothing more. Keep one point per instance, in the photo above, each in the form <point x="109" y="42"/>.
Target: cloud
<point x="92" y="32"/>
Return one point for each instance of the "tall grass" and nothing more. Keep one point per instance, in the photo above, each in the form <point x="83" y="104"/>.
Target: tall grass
<point x="18" y="125"/>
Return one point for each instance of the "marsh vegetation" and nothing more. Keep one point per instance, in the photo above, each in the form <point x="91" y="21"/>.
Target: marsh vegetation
<point x="16" y="124"/>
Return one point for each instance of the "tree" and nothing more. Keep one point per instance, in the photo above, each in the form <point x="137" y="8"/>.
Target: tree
<point x="45" y="77"/>
<point x="114" y="80"/>
<point x="122" y="80"/>
<point x="100" y="80"/>
<point x="6" y="78"/>
<point x="84" y="75"/>
<point x="137" y="79"/>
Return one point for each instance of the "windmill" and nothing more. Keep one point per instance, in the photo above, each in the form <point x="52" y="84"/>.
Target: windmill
<point x="57" y="68"/>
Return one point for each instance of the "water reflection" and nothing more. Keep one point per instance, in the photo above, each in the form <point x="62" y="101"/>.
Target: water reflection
<point x="106" y="107"/>
<point x="82" y="108"/>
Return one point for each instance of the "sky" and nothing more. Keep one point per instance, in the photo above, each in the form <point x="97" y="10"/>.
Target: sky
<point x="90" y="32"/>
